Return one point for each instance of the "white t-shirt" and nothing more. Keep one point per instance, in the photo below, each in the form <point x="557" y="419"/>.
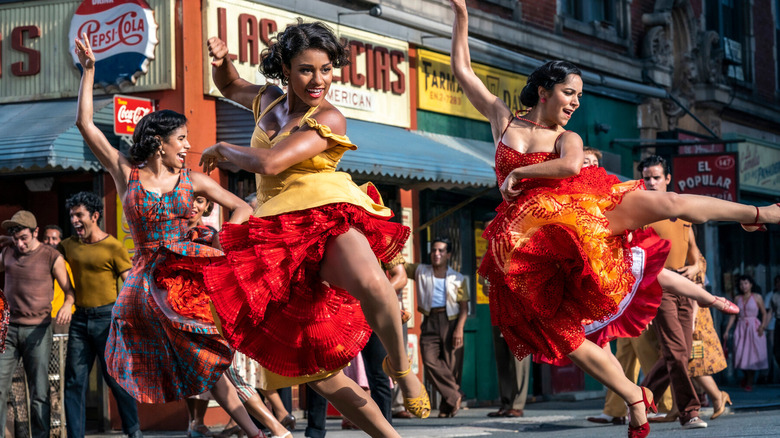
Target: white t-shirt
<point x="439" y="292"/>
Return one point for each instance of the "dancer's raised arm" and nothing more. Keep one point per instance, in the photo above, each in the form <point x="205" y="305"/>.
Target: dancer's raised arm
<point x="488" y="104"/>
<point x="226" y="77"/>
<point x="115" y="163"/>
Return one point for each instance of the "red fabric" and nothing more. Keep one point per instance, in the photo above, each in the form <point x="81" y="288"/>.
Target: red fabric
<point x="553" y="264"/>
<point x="271" y="302"/>
<point x="4" y="318"/>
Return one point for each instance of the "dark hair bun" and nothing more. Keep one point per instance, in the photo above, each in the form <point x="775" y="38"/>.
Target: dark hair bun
<point x="295" y="39"/>
<point x="546" y="76"/>
<point x="153" y="125"/>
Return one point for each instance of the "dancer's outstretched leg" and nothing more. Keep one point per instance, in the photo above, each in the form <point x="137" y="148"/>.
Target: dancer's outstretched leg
<point x="596" y="361"/>
<point x="679" y="285"/>
<point x="354" y="403"/>
<point x="225" y="394"/>
<point x="350" y="264"/>
<point x="643" y="207"/>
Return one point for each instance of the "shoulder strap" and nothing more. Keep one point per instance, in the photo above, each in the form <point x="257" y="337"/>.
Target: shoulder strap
<point x="555" y="146"/>
<point x="507" y="125"/>
<point x="256" y="104"/>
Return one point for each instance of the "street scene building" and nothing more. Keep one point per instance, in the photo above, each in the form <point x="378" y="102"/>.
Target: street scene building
<point x="694" y="81"/>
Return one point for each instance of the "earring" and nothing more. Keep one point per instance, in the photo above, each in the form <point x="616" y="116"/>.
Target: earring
<point x="544" y="100"/>
<point x="162" y="152"/>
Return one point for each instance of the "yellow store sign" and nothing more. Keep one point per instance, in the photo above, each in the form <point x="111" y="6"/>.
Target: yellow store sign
<point x="439" y="92"/>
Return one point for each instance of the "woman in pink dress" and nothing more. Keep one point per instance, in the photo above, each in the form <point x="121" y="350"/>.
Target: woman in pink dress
<point x="749" y="341"/>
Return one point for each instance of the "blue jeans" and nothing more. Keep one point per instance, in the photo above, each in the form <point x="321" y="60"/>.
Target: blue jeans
<point x="86" y="340"/>
<point x="316" y="414"/>
<point x="31" y="343"/>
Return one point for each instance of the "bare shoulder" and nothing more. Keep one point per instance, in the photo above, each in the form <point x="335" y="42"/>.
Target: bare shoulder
<point x="331" y="117"/>
<point x="570" y="138"/>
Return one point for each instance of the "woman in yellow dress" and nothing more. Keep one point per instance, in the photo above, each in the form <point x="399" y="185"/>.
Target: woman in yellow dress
<point x="300" y="289"/>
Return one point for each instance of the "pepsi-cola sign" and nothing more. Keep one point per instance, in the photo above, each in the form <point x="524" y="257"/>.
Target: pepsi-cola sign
<point x="123" y="35"/>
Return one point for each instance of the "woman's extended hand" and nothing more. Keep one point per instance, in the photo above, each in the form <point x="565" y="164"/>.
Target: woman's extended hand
<point x="508" y="190"/>
<point x="210" y="158"/>
<point x="218" y="50"/>
<point x="458" y="5"/>
<point x="84" y="52"/>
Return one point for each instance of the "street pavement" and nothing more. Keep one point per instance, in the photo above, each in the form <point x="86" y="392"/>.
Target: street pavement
<point x="754" y="414"/>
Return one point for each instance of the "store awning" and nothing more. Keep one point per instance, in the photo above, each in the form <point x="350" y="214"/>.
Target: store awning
<point x="37" y="136"/>
<point x="389" y="154"/>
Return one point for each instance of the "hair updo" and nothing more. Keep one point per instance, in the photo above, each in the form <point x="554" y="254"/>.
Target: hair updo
<point x="295" y="39"/>
<point x="547" y="75"/>
<point x="158" y="123"/>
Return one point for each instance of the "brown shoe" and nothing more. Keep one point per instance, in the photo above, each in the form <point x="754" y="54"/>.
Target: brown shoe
<point x="513" y="413"/>
<point x="403" y="414"/>
<point x="498" y="413"/>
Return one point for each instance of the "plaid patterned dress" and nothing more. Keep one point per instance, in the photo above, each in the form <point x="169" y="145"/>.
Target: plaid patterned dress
<point x="153" y="352"/>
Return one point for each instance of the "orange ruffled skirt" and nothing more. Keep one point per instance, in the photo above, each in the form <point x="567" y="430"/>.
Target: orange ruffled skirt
<point x="554" y="267"/>
<point x="267" y="292"/>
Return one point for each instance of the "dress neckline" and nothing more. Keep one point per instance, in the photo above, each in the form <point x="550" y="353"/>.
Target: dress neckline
<point x="280" y="135"/>
<point x="501" y="143"/>
<point x="161" y="195"/>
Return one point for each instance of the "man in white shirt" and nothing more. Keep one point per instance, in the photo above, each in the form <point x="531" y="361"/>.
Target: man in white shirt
<point x="442" y="298"/>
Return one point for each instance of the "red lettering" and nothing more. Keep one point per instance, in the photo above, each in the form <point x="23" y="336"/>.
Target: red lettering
<point x="382" y="69"/>
<point x="355" y="49"/>
<point x="222" y="29"/>
<point x="247" y="36"/>
<point x="370" y="66"/>
<point x="399" y="85"/>
<point x="267" y="27"/>
<point x="17" y="42"/>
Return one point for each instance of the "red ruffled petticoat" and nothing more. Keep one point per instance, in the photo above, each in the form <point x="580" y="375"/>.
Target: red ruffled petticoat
<point x="554" y="267"/>
<point x="5" y="316"/>
<point x="272" y="304"/>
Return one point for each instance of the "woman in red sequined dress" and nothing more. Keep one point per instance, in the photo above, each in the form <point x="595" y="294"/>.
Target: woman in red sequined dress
<point x="560" y="250"/>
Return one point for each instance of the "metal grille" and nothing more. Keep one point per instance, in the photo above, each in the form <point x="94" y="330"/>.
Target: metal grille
<point x="20" y="398"/>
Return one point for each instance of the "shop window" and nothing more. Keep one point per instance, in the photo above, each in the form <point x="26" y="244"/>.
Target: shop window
<point x="605" y="19"/>
<point x="730" y="19"/>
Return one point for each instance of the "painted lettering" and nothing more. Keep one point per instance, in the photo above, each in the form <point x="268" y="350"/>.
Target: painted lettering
<point x="247" y="36"/>
<point x="33" y="65"/>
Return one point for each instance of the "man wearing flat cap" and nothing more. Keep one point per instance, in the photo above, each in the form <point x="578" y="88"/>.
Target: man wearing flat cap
<point x="30" y="271"/>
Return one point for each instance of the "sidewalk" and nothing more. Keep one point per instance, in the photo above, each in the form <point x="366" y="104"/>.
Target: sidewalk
<point x="539" y="416"/>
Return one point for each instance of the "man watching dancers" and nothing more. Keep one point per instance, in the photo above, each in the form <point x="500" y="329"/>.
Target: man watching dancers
<point x="442" y="298"/>
<point x="674" y="321"/>
<point x="97" y="260"/>
<point x="30" y="270"/>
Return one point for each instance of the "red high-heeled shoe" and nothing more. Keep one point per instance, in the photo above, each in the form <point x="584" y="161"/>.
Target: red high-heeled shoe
<point x="728" y="307"/>
<point x="755" y="226"/>
<point x="643" y="430"/>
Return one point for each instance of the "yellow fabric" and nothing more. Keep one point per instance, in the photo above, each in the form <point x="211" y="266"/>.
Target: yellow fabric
<point x="313" y="182"/>
<point x="59" y="295"/>
<point x="96" y="267"/>
<point x="678" y="233"/>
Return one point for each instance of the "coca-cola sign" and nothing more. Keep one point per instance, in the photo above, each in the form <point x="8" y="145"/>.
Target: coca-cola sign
<point x="128" y="111"/>
<point x="123" y="35"/>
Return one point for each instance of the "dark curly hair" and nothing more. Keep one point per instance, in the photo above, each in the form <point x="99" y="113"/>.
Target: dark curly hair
<point x="89" y="200"/>
<point x="546" y="76"/>
<point x="749" y="280"/>
<point x="653" y="160"/>
<point x="295" y="39"/>
<point x="162" y="123"/>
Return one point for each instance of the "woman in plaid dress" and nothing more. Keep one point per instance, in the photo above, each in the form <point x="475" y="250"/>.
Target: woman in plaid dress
<point x="163" y="346"/>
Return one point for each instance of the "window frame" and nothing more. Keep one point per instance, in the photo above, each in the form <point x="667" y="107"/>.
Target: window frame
<point x="614" y="29"/>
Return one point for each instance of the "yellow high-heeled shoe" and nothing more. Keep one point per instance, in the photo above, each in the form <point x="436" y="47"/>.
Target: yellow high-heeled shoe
<point x="724" y="398"/>
<point x="419" y="406"/>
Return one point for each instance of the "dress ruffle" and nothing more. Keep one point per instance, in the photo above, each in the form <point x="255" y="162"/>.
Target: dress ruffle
<point x="269" y="297"/>
<point x="5" y="316"/>
<point x="554" y="266"/>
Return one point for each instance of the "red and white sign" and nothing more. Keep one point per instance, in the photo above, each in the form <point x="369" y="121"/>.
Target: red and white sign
<point x="695" y="149"/>
<point x="123" y="35"/>
<point x="708" y="174"/>
<point x="128" y="111"/>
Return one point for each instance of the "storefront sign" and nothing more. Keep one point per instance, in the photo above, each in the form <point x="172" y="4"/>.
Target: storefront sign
<point x="480" y="248"/>
<point x="438" y="90"/>
<point x="374" y="87"/>
<point x="128" y="111"/>
<point x="709" y="174"/>
<point x="696" y="149"/>
<point x="122" y="36"/>
<point x="759" y="167"/>
<point x="37" y="50"/>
